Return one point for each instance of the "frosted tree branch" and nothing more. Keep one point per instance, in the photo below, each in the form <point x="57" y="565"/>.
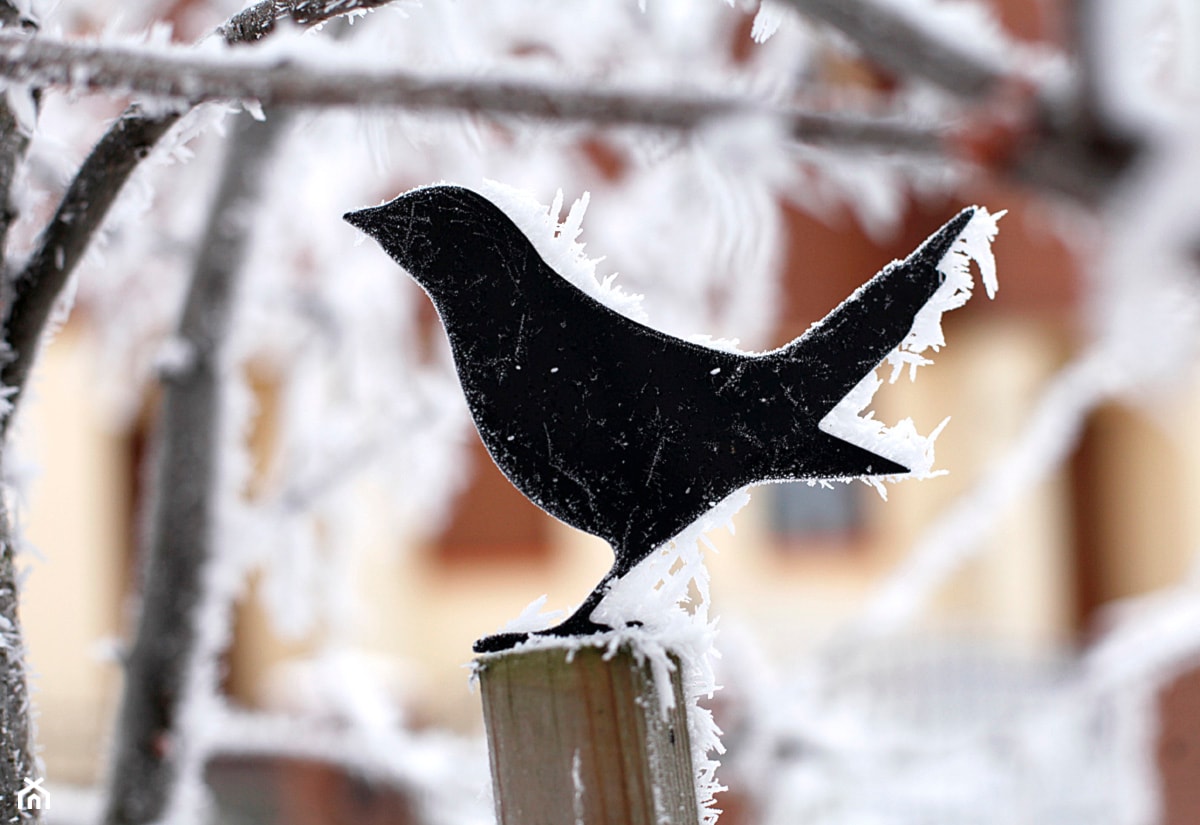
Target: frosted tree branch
<point x="17" y="760"/>
<point x="1048" y="147"/>
<point x="284" y="83"/>
<point x="63" y="242"/>
<point x="1085" y="39"/>
<point x="1089" y="117"/>
<point x="93" y="190"/>
<point x="14" y="136"/>
<point x="150" y="743"/>
<point x="1055" y="144"/>
<point x="17" y="756"/>
<point x="901" y="45"/>
<point x="259" y="20"/>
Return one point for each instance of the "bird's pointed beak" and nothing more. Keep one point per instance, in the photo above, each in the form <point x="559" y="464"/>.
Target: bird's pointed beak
<point x="366" y="220"/>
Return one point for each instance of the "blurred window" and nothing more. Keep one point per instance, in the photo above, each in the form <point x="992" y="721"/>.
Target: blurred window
<point x="797" y="511"/>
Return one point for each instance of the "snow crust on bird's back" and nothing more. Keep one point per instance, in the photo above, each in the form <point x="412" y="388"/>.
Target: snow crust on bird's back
<point x="557" y="241"/>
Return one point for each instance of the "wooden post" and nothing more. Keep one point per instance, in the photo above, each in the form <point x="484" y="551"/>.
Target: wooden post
<point x="575" y="739"/>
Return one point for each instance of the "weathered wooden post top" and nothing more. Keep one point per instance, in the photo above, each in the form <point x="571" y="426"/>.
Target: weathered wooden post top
<point x="578" y="735"/>
<point x="632" y="434"/>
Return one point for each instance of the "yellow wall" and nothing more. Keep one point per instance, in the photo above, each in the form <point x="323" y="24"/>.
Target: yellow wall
<point x="77" y="519"/>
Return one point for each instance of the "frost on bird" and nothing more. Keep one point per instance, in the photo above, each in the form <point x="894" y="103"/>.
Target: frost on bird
<point x="632" y="434"/>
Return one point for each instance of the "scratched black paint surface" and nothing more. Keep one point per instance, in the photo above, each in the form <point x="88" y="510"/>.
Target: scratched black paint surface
<point x="616" y="428"/>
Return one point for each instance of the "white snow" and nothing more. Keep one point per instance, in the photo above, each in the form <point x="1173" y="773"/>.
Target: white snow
<point x="577" y="785"/>
<point x="557" y="242"/>
<point x="901" y="442"/>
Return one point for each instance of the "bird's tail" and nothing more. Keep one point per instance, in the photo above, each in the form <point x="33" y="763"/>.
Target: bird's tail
<point x="893" y="316"/>
<point x="854" y="338"/>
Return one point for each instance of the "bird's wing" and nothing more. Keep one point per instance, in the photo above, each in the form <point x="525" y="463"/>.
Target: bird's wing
<point x="855" y="337"/>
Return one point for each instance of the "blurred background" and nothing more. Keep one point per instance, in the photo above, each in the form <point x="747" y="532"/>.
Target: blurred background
<point x="1048" y="673"/>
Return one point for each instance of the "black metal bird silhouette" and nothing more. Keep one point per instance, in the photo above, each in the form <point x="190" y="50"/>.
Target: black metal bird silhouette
<point x="618" y="429"/>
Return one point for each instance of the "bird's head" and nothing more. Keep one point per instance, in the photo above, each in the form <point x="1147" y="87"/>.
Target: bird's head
<point x="438" y="234"/>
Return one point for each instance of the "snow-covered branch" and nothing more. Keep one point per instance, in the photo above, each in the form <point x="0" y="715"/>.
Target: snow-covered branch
<point x="181" y="76"/>
<point x="901" y="44"/>
<point x="17" y="760"/>
<point x="1047" y="440"/>
<point x="259" y="20"/>
<point x="179" y="546"/>
<point x="98" y="182"/>
<point x="1046" y="138"/>
<point x="14" y="135"/>
<point x="63" y="242"/>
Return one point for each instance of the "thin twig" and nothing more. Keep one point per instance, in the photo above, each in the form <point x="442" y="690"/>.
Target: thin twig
<point x="14" y="135"/>
<point x="1060" y="148"/>
<point x="284" y="83"/>
<point x="18" y="764"/>
<point x="259" y="20"/>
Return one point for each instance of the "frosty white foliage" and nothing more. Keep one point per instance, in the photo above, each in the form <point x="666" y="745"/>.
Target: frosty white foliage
<point x="19" y="99"/>
<point x="1147" y="78"/>
<point x="532" y="618"/>
<point x="1152" y="639"/>
<point x="62" y="308"/>
<point x="930" y="728"/>
<point x="901" y="442"/>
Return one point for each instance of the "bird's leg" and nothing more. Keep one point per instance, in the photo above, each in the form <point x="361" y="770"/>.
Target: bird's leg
<point x="578" y="623"/>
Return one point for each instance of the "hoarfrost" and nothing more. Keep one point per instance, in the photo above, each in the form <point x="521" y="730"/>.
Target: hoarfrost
<point x="556" y="240"/>
<point x="768" y="20"/>
<point x="655" y="617"/>
<point x="901" y="442"/>
<point x="342" y="424"/>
